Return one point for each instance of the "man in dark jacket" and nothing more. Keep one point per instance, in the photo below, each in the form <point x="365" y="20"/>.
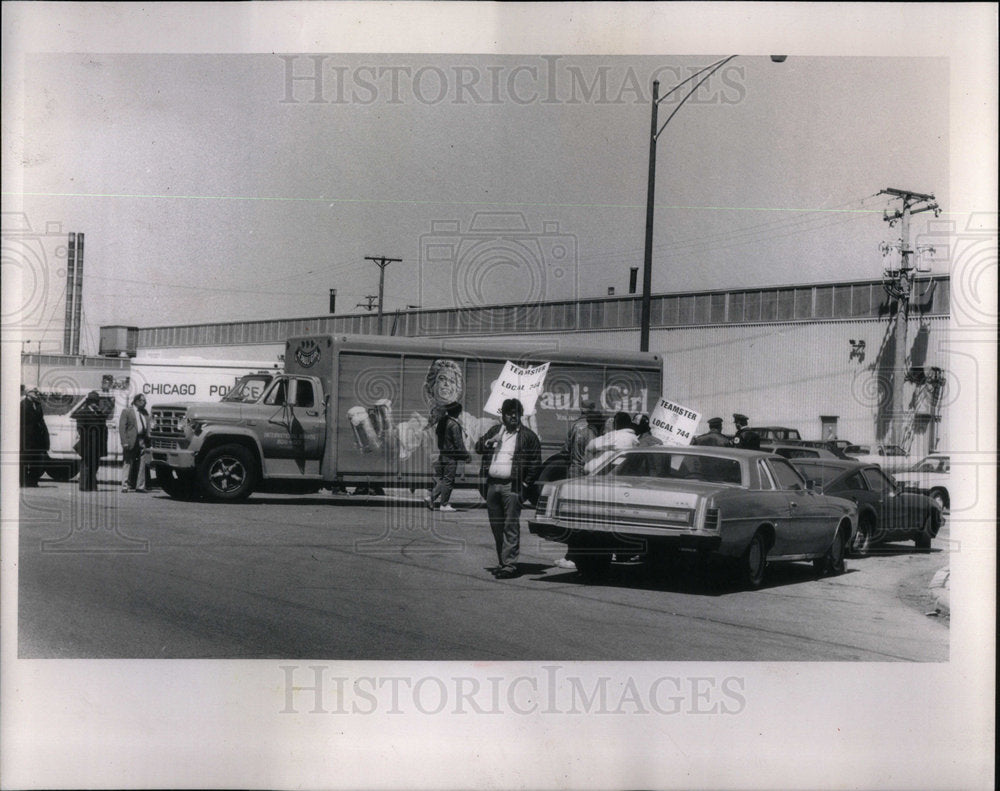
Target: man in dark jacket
<point x="92" y="429"/>
<point x="512" y="458"/>
<point x="746" y="437"/>
<point x="714" y="436"/>
<point x="34" y="438"/>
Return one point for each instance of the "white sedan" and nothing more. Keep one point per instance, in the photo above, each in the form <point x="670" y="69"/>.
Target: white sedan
<point x="930" y="476"/>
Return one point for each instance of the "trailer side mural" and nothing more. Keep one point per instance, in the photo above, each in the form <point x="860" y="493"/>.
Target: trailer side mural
<point x="361" y="409"/>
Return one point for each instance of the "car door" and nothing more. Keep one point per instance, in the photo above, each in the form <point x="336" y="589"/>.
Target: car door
<point x="895" y="519"/>
<point x="808" y="528"/>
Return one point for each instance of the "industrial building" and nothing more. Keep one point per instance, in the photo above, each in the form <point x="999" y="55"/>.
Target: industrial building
<point x="821" y="358"/>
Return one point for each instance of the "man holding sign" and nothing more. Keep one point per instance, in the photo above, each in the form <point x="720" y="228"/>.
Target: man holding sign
<point x="512" y="458"/>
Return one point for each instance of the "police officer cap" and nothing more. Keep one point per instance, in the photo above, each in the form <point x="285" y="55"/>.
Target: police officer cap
<point x="715" y="422"/>
<point x="738" y="418"/>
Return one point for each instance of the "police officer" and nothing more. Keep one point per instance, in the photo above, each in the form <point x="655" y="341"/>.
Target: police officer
<point x="746" y="437"/>
<point x="714" y="436"/>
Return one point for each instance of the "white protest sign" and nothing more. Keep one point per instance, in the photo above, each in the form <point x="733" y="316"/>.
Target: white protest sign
<point x="672" y="423"/>
<point x="524" y="384"/>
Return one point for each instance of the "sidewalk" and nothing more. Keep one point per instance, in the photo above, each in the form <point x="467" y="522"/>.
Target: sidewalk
<point x="940" y="589"/>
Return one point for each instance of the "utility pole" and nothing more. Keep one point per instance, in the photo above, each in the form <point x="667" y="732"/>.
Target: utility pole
<point x="381" y="262"/>
<point x="371" y="302"/>
<point x="898" y="284"/>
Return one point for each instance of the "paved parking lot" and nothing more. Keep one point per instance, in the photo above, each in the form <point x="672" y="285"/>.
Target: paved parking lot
<point x="129" y="575"/>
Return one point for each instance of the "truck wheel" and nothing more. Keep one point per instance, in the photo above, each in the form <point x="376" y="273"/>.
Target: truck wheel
<point x="62" y="471"/>
<point x="227" y="473"/>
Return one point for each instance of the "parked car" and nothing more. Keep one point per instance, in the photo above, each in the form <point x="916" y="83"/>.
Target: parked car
<point x="885" y="511"/>
<point x="777" y="434"/>
<point x="797" y="451"/>
<point x="742" y="505"/>
<point x="930" y="476"/>
<point x="890" y="458"/>
<point x="835" y="446"/>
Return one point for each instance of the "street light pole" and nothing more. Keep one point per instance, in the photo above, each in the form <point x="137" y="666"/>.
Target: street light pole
<point x="654" y="135"/>
<point x="647" y="260"/>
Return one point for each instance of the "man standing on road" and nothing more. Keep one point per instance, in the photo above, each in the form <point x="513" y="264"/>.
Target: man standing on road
<point x="714" y="436"/>
<point x="92" y="445"/>
<point x="34" y="438"/>
<point x="133" y="430"/>
<point x="512" y="457"/>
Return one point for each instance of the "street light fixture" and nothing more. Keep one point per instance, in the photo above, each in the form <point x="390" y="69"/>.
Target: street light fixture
<point x="654" y="135"/>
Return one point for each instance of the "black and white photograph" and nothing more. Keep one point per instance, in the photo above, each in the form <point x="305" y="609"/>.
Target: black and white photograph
<point x="499" y="395"/>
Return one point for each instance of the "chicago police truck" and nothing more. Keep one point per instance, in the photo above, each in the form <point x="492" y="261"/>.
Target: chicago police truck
<point x="65" y="381"/>
<point x="361" y="410"/>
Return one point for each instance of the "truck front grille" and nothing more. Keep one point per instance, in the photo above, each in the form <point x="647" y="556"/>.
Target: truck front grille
<point x="168" y="422"/>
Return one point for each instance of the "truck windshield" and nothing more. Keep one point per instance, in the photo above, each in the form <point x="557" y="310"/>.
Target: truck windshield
<point x="249" y="388"/>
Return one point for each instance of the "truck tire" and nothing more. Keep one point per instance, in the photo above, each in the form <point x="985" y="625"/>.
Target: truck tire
<point x="228" y="472"/>
<point x="62" y="471"/>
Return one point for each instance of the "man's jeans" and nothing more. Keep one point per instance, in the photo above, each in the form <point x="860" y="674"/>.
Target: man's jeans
<point x="503" y="505"/>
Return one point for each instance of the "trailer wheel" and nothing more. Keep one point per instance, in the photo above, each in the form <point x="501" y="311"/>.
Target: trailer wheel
<point x="228" y="472"/>
<point x="62" y="471"/>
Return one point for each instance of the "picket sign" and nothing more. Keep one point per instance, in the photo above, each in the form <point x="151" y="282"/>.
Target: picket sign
<point x="524" y="384"/>
<point x="672" y="423"/>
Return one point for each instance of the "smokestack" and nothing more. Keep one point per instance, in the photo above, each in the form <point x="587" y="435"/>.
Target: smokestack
<point x="70" y="281"/>
<point x="78" y="295"/>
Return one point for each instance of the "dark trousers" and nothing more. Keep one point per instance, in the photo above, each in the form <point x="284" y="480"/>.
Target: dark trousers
<point x="32" y="466"/>
<point x="503" y="505"/>
<point x="90" y="458"/>
<point x="444" y="479"/>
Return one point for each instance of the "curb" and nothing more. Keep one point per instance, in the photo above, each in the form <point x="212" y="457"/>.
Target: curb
<point x="941" y="591"/>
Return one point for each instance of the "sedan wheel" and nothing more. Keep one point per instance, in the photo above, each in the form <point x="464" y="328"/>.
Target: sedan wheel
<point x="755" y="561"/>
<point x="833" y="561"/>
<point x="929" y="529"/>
<point x="591" y="565"/>
<point x="861" y="542"/>
<point x="940" y="498"/>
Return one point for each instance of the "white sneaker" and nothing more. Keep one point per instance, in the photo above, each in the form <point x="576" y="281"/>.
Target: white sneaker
<point x="564" y="563"/>
<point x="447" y="507"/>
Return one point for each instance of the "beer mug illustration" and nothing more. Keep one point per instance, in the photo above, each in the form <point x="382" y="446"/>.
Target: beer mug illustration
<point x="381" y="417"/>
<point x="365" y="438"/>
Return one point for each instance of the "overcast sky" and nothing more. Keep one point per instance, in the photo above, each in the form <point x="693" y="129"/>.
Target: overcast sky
<point x="222" y="188"/>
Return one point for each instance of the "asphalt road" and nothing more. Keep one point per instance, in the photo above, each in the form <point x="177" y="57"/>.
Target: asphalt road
<point x="117" y="575"/>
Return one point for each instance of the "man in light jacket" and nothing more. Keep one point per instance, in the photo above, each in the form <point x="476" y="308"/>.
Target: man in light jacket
<point x="133" y="430"/>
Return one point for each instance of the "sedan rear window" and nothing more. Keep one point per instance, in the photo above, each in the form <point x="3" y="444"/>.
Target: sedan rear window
<point x="713" y="469"/>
